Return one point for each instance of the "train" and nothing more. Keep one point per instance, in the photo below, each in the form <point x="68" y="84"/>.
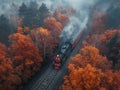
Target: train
<point x="65" y="51"/>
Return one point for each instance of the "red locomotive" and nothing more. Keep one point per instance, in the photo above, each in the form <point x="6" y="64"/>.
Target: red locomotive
<point x="57" y="61"/>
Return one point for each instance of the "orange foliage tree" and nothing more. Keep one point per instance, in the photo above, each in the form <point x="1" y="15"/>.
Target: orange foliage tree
<point x="104" y="39"/>
<point x="87" y="78"/>
<point x="25" y="56"/>
<point x="90" y="78"/>
<point x="43" y="40"/>
<point x="61" y="17"/>
<point x="88" y="70"/>
<point x="92" y="40"/>
<point x="108" y="44"/>
<point x="8" y="81"/>
<point x="111" y="80"/>
<point x="24" y="30"/>
<point x="111" y="41"/>
<point x="54" y="26"/>
<point x="90" y="55"/>
<point x="100" y="40"/>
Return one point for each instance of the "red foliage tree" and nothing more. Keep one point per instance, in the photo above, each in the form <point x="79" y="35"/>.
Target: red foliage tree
<point x="62" y="18"/>
<point x="111" y="80"/>
<point x="55" y="27"/>
<point x="25" y="56"/>
<point x="108" y="44"/>
<point x="98" y="23"/>
<point x="8" y="81"/>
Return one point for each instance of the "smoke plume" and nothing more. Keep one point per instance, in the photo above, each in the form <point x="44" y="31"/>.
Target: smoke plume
<point x="77" y="22"/>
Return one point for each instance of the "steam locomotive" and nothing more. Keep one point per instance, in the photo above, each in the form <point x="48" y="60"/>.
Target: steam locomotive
<point x="65" y="51"/>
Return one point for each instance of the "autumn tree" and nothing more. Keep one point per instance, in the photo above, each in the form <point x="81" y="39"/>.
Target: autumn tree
<point x="20" y="29"/>
<point x="99" y="40"/>
<point x="87" y="78"/>
<point x="4" y="67"/>
<point x="54" y="26"/>
<point x="25" y="56"/>
<point x="111" y="80"/>
<point x="113" y="49"/>
<point x="8" y="81"/>
<point x="88" y="70"/>
<point x="92" y="40"/>
<point x="98" y="24"/>
<point x="43" y="39"/>
<point x="65" y="10"/>
<point x="90" y="55"/>
<point x="90" y="78"/>
<point x="108" y="44"/>
<point x="23" y="30"/>
<point x="110" y="40"/>
<point x="61" y="17"/>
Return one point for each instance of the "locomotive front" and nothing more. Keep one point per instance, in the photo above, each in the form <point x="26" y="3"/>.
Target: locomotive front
<point x="60" y="58"/>
<point x="57" y="62"/>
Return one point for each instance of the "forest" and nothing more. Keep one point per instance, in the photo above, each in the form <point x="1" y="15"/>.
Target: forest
<point x="97" y="64"/>
<point x="30" y="39"/>
<point x="24" y="48"/>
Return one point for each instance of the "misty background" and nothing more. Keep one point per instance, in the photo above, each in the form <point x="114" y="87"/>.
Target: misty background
<point x="9" y="9"/>
<point x="27" y="16"/>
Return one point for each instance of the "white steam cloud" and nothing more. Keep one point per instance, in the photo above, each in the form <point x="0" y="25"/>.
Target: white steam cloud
<point x="77" y="22"/>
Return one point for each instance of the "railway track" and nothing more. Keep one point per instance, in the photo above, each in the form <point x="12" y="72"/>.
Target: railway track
<point x="39" y="81"/>
<point x="45" y="80"/>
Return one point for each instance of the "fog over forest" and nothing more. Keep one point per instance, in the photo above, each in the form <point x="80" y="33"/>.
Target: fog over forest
<point x="33" y="32"/>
